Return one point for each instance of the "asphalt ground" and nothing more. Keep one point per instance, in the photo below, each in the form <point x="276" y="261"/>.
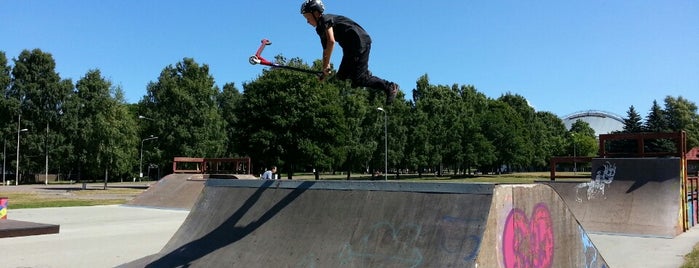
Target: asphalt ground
<point x="650" y="252"/>
<point x="96" y="236"/>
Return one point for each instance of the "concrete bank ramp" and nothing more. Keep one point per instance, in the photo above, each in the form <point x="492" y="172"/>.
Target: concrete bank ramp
<point x="178" y="191"/>
<point x="254" y="223"/>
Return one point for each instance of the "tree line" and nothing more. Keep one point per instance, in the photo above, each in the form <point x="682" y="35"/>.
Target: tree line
<point x="85" y="130"/>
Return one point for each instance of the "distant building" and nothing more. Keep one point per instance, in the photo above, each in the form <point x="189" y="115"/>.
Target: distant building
<point x="600" y="121"/>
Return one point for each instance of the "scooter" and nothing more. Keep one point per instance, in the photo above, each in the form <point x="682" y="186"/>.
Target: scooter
<point x="258" y="59"/>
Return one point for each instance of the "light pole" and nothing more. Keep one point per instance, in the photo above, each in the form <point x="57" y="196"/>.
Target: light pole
<point x="140" y="165"/>
<point x="143" y="117"/>
<point x="46" y="145"/>
<point x="4" y="155"/>
<point x="575" y="163"/>
<point x="4" y="158"/>
<point x="19" y="117"/>
<point x="385" y="142"/>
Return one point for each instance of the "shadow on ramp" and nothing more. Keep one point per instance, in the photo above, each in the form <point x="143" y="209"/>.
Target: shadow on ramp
<point x="224" y="234"/>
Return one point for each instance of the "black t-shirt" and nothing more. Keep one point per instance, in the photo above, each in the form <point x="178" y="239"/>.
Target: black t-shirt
<point x="347" y="32"/>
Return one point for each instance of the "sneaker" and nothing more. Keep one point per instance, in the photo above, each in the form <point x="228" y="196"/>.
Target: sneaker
<point x="392" y="92"/>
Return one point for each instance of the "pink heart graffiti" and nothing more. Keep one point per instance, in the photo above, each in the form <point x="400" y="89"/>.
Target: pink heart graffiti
<point x="528" y="243"/>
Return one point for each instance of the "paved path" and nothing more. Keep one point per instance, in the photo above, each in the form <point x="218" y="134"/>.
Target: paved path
<point x="649" y="252"/>
<point x="98" y="236"/>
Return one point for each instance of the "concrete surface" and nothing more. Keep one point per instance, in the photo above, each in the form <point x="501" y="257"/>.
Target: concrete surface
<point x="648" y="252"/>
<point x="632" y="196"/>
<point x="236" y="223"/>
<point x="108" y="236"/>
<point x="178" y="191"/>
<point x="99" y="236"/>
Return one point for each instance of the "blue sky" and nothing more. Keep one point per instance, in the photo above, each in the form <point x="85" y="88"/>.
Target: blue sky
<point x="563" y="56"/>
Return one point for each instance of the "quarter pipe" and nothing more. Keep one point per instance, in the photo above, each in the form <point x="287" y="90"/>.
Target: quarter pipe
<point x="633" y="196"/>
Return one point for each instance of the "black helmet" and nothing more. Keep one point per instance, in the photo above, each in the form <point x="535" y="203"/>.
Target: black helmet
<point x="309" y="6"/>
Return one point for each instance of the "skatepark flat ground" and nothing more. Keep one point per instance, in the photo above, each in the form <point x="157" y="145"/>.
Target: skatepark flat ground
<point x="107" y="236"/>
<point x="96" y="236"/>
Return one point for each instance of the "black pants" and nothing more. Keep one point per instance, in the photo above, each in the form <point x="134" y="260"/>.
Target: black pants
<point x="355" y="66"/>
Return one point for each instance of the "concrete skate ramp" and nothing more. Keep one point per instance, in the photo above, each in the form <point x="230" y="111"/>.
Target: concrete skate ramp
<point x="238" y="223"/>
<point x="642" y="197"/>
<point x="178" y="191"/>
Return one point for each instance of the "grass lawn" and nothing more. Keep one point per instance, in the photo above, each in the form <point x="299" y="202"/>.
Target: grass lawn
<point x="691" y="260"/>
<point x="24" y="200"/>
<point x="72" y="198"/>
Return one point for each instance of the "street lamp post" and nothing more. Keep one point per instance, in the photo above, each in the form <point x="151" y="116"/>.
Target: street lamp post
<point x="575" y="163"/>
<point x="140" y="165"/>
<point x="143" y="117"/>
<point x="46" y="145"/>
<point x="4" y="159"/>
<point x="385" y="142"/>
<point x="19" y="130"/>
<point x="4" y="155"/>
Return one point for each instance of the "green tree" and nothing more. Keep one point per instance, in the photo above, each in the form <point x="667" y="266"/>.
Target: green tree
<point x="682" y="116"/>
<point x="7" y="111"/>
<point x="550" y="139"/>
<point x="41" y="95"/>
<point x="398" y="132"/>
<point x="633" y="122"/>
<point x="438" y="121"/>
<point x="453" y="110"/>
<point x="228" y="100"/>
<point x="290" y="119"/>
<point x="105" y="139"/>
<point x="478" y="151"/>
<point x="122" y="141"/>
<point x="583" y="141"/>
<point x="5" y="70"/>
<point x="182" y="111"/>
<point x="503" y="126"/>
<point x="656" y="122"/>
<point x="583" y="128"/>
<point x="416" y="158"/>
<point x="362" y="123"/>
<point x="529" y="132"/>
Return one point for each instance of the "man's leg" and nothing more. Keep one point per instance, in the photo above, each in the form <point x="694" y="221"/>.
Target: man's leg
<point x="355" y="66"/>
<point x="366" y="78"/>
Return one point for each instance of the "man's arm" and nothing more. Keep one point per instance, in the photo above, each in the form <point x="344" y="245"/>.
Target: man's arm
<point x="328" y="51"/>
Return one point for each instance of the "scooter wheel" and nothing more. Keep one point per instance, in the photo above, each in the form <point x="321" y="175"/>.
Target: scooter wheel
<point x="254" y="60"/>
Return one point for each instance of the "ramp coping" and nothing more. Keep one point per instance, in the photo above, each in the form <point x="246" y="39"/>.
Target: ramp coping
<point x="384" y="186"/>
